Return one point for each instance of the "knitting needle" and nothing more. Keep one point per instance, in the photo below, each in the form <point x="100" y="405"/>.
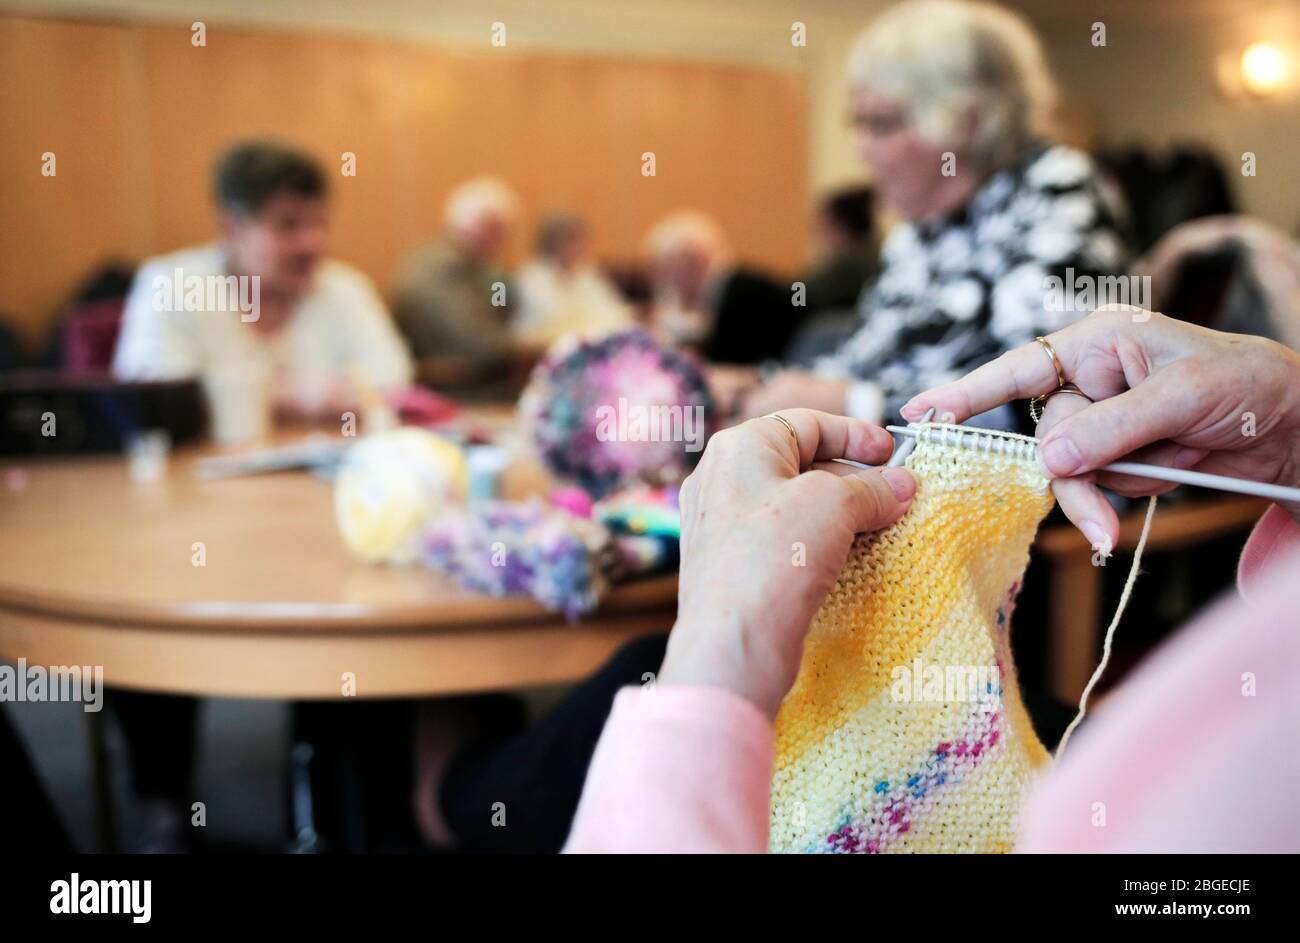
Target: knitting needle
<point x="900" y="453"/>
<point x="905" y="447"/>
<point x="1159" y="472"/>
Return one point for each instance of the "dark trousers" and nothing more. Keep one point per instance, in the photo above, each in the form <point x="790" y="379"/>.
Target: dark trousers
<point x="535" y="777"/>
<point x="361" y="768"/>
<point x="161" y="732"/>
<point x="31" y="824"/>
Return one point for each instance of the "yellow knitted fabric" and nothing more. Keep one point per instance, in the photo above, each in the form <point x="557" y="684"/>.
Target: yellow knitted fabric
<point x="905" y="731"/>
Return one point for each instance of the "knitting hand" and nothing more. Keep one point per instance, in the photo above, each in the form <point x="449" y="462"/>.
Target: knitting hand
<point x="766" y="527"/>
<point x="1166" y="392"/>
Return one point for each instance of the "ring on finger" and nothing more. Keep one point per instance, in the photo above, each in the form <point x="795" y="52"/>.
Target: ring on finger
<point x="1056" y="361"/>
<point x="1037" y="404"/>
<point x="785" y="422"/>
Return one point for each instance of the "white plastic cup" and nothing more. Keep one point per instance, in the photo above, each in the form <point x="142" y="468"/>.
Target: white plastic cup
<point x="146" y="455"/>
<point x="239" y="402"/>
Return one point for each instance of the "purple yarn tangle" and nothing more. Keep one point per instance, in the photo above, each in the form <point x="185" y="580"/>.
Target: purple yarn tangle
<point x="503" y="548"/>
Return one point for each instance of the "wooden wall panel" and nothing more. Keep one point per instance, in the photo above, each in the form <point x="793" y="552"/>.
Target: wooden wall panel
<point x="137" y="115"/>
<point x="62" y="91"/>
<point x="330" y="95"/>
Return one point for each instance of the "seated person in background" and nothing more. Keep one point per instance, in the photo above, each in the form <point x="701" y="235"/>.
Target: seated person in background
<point x="847" y="257"/>
<point x="315" y="324"/>
<point x="453" y="300"/>
<point x="704" y="300"/>
<point x="948" y="100"/>
<point x="1231" y="273"/>
<point x="561" y="292"/>
<point x="847" y="253"/>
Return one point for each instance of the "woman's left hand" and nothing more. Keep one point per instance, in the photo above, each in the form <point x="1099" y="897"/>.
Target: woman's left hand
<point x="767" y="522"/>
<point x="794" y="388"/>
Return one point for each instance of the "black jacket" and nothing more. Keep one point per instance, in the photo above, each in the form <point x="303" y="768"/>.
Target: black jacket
<point x="753" y="319"/>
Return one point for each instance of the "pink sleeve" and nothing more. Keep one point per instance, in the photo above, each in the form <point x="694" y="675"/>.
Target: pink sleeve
<point x="1276" y="534"/>
<point x="1195" y="752"/>
<point x="677" y="769"/>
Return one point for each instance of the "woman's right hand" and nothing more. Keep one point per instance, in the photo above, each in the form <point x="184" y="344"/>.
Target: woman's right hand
<point x="1165" y="392"/>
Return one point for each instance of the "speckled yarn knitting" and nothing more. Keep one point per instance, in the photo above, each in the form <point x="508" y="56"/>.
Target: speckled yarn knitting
<point x="905" y="731"/>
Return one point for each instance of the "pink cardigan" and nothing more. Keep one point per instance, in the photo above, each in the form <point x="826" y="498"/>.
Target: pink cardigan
<point x="1196" y="752"/>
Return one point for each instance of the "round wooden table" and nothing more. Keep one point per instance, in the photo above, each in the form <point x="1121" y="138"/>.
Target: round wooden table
<point x="98" y="570"/>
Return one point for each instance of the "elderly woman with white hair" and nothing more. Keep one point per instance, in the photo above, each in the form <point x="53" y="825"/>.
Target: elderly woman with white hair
<point x="705" y="301"/>
<point x="949" y="100"/>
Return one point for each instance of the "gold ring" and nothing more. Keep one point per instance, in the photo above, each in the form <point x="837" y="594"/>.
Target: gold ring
<point x="1056" y="361"/>
<point x="785" y="422"/>
<point x="1038" y="402"/>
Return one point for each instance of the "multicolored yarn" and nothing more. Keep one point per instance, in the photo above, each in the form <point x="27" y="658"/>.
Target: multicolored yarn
<point x="646" y="524"/>
<point x="578" y="378"/>
<point x="642" y="510"/>
<point x="878" y="750"/>
<point x="563" y="558"/>
<point x="505" y="547"/>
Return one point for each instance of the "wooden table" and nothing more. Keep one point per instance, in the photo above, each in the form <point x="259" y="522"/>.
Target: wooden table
<point x="97" y="570"/>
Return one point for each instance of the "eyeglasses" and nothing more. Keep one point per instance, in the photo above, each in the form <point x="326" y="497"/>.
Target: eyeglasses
<point x="880" y="125"/>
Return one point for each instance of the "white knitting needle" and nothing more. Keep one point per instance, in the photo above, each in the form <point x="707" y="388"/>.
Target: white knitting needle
<point x="905" y="447"/>
<point x="900" y="454"/>
<point x="1140" y="469"/>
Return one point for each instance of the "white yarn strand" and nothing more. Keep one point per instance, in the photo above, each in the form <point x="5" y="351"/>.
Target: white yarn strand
<point x="1110" y="630"/>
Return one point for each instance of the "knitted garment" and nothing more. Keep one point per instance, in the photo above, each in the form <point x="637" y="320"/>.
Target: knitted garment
<point x="904" y="731"/>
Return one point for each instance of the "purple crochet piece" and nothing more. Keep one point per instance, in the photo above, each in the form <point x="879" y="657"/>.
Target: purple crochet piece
<point x="505" y="548"/>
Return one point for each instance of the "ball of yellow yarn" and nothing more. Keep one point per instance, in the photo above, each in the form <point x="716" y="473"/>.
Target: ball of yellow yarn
<point x="390" y="487"/>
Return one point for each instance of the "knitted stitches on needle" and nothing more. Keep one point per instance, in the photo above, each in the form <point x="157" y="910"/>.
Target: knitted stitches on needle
<point x="904" y="731"/>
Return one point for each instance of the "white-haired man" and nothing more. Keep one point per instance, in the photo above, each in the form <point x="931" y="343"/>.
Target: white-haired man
<point x="453" y="300"/>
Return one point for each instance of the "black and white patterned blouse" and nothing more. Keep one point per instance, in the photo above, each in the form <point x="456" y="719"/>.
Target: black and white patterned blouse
<point x="955" y="293"/>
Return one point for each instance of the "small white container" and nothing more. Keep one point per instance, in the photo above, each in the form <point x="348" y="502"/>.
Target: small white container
<point x="146" y="455"/>
<point x="239" y="402"/>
